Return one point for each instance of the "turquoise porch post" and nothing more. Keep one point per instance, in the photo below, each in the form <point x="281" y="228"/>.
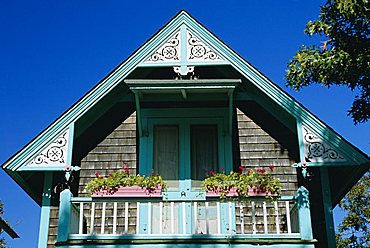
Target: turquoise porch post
<point x="327" y="204"/>
<point x="45" y="211"/>
<point x="65" y="209"/>
<point x="304" y="215"/>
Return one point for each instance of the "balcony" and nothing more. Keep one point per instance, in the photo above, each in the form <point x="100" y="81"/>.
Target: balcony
<point x="152" y="220"/>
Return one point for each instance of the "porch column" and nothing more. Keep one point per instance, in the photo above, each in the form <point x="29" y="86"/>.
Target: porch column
<point x="45" y="211"/>
<point x="327" y="205"/>
<point x="304" y="215"/>
<point x="64" y="215"/>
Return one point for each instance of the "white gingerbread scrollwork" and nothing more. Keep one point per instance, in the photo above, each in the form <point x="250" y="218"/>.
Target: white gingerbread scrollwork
<point x="170" y="51"/>
<point x="198" y="50"/>
<point x="55" y="153"/>
<point x="318" y="150"/>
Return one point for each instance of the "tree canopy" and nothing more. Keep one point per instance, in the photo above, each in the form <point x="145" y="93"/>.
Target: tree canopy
<point x="344" y="56"/>
<point x="354" y="231"/>
<point x="343" y="59"/>
<point x="2" y="240"/>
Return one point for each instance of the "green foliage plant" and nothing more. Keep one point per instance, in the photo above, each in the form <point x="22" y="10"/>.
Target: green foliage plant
<point x="118" y="179"/>
<point x="223" y="183"/>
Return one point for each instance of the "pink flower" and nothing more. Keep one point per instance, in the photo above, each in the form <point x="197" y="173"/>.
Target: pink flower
<point x="241" y="168"/>
<point x="262" y="171"/>
<point x="222" y="169"/>
<point x="97" y="174"/>
<point x="126" y="170"/>
<point x="111" y="175"/>
<point x="67" y="168"/>
<point x="211" y="172"/>
<point x="271" y="167"/>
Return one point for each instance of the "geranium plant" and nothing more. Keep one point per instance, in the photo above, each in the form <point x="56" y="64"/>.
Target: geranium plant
<point x="245" y="183"/>
<point x="119" y="179"/>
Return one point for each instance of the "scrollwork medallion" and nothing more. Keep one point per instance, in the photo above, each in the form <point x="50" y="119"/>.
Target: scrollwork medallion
<point x="318" y="150"/>
<point x="55" y="153"/>
<point x="168" y="52"/>
<point x="198" y="50"/>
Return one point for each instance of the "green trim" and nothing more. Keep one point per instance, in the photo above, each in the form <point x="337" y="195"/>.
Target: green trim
<point x="327" y="206"/>
<point x="184" y="236"/>
<point x="42" y="167"/>
<point x="222" y="242"/>
<point x="45" y="211"/>
<point x="183" y="50"/>
<point x="138" y="114"/>
<point x="70" y="144"/>
<point x="231" y="111"/>
<point x="302" y="156"/>
<point x="188" y="63"/>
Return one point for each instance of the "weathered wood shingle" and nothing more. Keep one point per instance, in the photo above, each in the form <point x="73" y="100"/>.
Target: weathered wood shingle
<point x="117" y="150"/>
<point x="259" y="150"/>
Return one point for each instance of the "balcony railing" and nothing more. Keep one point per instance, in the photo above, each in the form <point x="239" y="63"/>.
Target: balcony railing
<point x="125" y="218"/>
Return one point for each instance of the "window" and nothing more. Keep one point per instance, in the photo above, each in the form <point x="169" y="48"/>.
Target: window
<point x="183" y="144"/>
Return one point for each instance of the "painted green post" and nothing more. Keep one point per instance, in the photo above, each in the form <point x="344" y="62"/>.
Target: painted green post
<point x="138" y="114"/>
<point x="65" y="209"/>
<point x="328" y="211"/>
<point x="304" y="215"/>
<point x="45" y="211"/>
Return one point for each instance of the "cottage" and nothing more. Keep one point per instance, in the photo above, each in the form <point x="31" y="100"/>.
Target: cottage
<point x="182" y="105"/>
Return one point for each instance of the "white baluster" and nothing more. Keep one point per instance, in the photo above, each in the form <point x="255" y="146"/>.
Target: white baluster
<point x="277" y="221"/>
<point x="207" y="219"/>
<point x="172" y="217"/>
<point x="81" y="222"/>
<point x="287" y="210"/>
<point x="92" y="217"/>
<point x="265" y="218"/>
<point x="114" y="217"/>
<point x="241" y="211"/>
<point x="126" y="217"/>
<point x="149" y="218"/>
<point x="160" y="217"/>
<point x="137" y="217"/>
<point x="218" y="218"/>
<point x="102" y="228"/>
<point x="254" y="224"/>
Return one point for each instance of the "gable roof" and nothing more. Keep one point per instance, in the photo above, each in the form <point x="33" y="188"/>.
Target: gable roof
<point x="175" y="45"/>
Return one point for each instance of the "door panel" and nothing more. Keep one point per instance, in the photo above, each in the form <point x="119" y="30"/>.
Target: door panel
<point x="166" y="153"/>
<point x="204" y="151"/>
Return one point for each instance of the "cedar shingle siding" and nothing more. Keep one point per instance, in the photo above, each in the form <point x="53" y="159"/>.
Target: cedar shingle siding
<point x="109" y="155"/>
<point x="259" y="150"/>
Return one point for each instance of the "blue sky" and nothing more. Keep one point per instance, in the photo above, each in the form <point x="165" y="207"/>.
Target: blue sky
<point x="52" y="52"/>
